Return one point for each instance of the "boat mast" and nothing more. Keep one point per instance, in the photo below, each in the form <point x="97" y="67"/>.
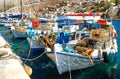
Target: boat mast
<point x="4" y="8"/>
<point x="21" y="8"/>
<point x="17" y="6"/>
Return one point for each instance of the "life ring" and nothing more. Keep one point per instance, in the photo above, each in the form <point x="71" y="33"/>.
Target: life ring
<point x="105" y="56"/>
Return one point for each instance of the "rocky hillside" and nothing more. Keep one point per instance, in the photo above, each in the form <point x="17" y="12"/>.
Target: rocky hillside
<point x="7" y="4"/>
<point x="37" y="7"/>
<point x="29" y="6"/>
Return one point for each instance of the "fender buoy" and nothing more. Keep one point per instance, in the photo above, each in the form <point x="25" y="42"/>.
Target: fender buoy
<point x="28" y="70"/>
<point x="115" y="35"/>
<point x="105" y="56"/>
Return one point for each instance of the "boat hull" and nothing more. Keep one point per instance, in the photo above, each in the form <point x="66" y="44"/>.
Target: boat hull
<point x="19" y="34"/>
<point x="35" y="45"/>
<point x="66" y="62"/>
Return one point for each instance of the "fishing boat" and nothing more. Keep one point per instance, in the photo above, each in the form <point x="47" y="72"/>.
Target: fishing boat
<point x="19" y="32"/>
<point x="35" y="36"/>
<point x="88" y="48"/>
<point x="11" y="19"/>
<point x="37" y="31"/>
<point x="3" y="21"/>
<point x="19" y="29"/>
<point x="35" y="45"/>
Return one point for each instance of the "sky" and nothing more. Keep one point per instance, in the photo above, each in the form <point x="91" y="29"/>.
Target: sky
<point x="1" y="0"/>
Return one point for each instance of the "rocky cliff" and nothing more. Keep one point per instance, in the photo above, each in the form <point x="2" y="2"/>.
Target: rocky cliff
<point x="35" y="7"/>
<point x="28" y="6"/>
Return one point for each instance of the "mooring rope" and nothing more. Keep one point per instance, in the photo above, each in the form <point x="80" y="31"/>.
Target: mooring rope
<point x="69" y="65"/>
<point x="28" y="52"/>
<point x="27" y="58"/>
<point x="32" y="59"/>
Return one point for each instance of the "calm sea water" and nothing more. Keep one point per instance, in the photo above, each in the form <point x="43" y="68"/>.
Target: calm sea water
<point x="44" y="68"/>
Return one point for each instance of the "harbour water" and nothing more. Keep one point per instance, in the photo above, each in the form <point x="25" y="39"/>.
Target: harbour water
<point x="44" y="68"/>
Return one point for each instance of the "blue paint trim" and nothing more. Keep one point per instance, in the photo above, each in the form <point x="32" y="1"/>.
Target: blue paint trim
<point x="37" y="49"/>
<point x="74" y="55"/>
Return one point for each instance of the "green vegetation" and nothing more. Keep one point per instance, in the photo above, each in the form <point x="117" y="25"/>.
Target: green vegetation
<point x="113" y="1"/>
<point x="63" y="3"/>
<point x="102" y="6"/>
<point x="51" y="9"/>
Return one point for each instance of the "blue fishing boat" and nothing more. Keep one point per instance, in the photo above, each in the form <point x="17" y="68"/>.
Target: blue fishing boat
<point x="35" y="45"/>
<point x="33" y="40"/>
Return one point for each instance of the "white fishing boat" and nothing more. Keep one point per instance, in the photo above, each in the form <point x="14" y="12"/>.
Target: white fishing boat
<point x="3" y="22"/>
<point x="12" y="19"/>
<point x="19" y="29"/>
<point x="20" y="25"/>
<point x="19" y="32"/>
<point x="8" y="25"/>
<point x="89" y="48"/>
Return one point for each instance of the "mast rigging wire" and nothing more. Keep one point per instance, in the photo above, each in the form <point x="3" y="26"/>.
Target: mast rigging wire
<point x="33" y="8"/>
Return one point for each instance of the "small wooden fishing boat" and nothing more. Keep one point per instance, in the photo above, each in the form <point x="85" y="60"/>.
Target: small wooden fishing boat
<point x="35" y="35"/>
<point x="19" y="32"/>
<point x="88" y="48"/>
